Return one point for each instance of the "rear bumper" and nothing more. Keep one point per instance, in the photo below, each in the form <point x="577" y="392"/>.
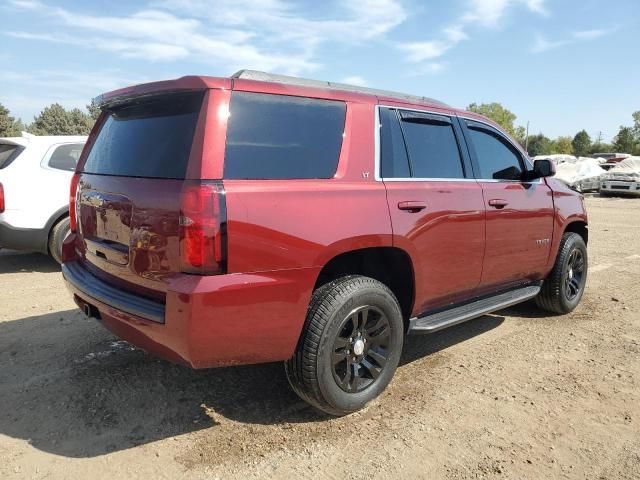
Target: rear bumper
<point x="23" y="238"/>
<point x="209" y="321"/>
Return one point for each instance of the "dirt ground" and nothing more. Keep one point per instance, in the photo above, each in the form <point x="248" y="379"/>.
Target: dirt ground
<point x="517" y="394"/>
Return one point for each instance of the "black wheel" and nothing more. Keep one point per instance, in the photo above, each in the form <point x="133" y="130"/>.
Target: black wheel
<point x="350" y="346"/>
<point x="57" y="235"/>
<point x="563" y="289"/>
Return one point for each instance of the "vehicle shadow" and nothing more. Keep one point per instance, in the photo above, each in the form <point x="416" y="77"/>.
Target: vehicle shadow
<point x="70" y="388"/>
<point x="14" y="262"/>
<point x="527" y="309"/>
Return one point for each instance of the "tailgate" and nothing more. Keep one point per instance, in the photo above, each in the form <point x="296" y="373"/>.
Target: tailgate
<point x="128" y="197"/>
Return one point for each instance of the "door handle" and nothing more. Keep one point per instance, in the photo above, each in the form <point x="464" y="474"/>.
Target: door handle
<point x="498" y="203"/>
<point x="411" y="206"/>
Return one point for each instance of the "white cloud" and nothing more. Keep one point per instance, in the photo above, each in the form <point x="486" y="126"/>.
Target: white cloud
<point x="259" y="34"/>
<point x="420" y="51"/>
<point x="484" y="13"/>
<point x="542" y="44"/>
<point x="355" y="80"/>
<point x="430" y="68"/>
<point x="590" y="34"/>
<point x="489" y="13"/>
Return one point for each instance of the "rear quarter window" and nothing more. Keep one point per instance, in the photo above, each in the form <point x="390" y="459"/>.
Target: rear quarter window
<point x="283" y="137"/>
<point x="65" y="157"/>
<point x="147" y="138"/>
<point x="8" y="153"/>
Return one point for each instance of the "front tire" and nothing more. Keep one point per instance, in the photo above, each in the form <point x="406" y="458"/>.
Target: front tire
<point x="57" y="235"/>
<point x="350" y="346"/>
<point x="563" y="288"/>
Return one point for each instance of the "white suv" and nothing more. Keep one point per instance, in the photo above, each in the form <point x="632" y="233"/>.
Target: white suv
<point x="35" y="173"/>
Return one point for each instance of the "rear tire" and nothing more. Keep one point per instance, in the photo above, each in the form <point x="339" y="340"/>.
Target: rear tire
<point x="350" y="345"/>
<point x="563" y="288"/>
<point x="57" y="235"/>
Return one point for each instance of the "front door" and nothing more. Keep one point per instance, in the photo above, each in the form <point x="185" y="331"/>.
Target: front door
<point x="519" y="213"/>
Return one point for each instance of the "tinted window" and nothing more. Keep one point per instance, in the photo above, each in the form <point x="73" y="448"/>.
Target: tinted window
<point x="433" y="149"/>
<point x="65" y="157"/>
<point x="277" y="136"/>
<point x="497" y="160"/>
<point x="8" y="153"/>
<point x="149" y="138"/>
<point x="393" y="154"/>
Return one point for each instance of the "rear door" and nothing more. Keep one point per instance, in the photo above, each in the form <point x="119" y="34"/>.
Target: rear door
<point x="130" y="187"/>
<point x="519" y="213"/>
<point x="436" y="207"/>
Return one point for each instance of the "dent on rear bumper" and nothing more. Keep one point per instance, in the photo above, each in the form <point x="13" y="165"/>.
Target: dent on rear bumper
<point x="220" y="320"/>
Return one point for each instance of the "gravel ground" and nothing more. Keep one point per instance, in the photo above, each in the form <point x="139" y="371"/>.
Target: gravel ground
<point x="516" y="394"/>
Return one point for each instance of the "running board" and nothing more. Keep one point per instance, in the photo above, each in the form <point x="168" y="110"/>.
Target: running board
<point x="447" y="318"/>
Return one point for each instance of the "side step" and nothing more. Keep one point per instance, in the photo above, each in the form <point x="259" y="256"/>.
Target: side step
<point x="447" y="318"/>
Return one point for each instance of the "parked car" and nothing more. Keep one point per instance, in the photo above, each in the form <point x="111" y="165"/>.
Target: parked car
<point x="612" y="158"/>
<point x="261" y="218"/>
<point x="35" y="173"/>
<point x="623" y="179"/>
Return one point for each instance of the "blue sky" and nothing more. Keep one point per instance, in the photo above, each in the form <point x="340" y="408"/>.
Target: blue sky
<point x="563" y="65"/>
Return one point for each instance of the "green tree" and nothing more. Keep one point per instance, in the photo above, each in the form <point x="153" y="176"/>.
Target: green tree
<point x="94" y="110"/>
<point x="55" y="120"/>
<point x="503" y="117"/>
<point x="601" y="147"/>
<point x="539" y="145"/>
<point x="563" y="145"/>
<point x="581" y="143"/>
<point x="9" y="126"/>
<point x="626" y="141"/>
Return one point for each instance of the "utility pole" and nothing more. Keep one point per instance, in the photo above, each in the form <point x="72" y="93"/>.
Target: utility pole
<point x="599" y="138"/>
<point x="526" y="139"/>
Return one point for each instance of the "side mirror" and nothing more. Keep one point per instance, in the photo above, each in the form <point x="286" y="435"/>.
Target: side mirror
<point x="542" y="168"/>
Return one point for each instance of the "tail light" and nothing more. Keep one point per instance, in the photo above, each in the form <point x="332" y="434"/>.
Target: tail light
<point x="1" y="198"/>
<point x="73" y="214"/>
<point x="203" y="223"/>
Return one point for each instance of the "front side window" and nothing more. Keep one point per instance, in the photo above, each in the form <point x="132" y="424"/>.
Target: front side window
<point x="283" y="137"/>
<point x="497" y="160"/>
<point x="432" y="146"/>
<point x="65" y="157"/>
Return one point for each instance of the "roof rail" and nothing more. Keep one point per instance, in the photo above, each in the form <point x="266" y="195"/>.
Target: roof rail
<point x="305" y="82"/>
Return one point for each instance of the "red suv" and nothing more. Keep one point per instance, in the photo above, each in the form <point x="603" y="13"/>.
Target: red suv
<point x="261" y="218"/>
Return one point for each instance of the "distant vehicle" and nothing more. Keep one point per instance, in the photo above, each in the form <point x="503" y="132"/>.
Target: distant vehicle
<point x="612" y="158"/>
<point x="35" y="173"/>
<point x="623" y="179"/>
<point x="258" y="218"/>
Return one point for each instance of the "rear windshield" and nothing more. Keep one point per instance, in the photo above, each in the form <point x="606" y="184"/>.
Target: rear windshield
<point x="148" y="138"/>
<point x="8" y="153"/>
<point x="280" y="137"/>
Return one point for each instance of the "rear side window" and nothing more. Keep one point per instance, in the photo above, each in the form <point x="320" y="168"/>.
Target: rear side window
<point x="283" y="137"/>
<point x="432" y="146"/>
<point x="393" y="154"/>
<point x="65" y="157"/>
<point x="151" y="137"/>
<point x="8" y="153"/>
<point x="497" y="160"/>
